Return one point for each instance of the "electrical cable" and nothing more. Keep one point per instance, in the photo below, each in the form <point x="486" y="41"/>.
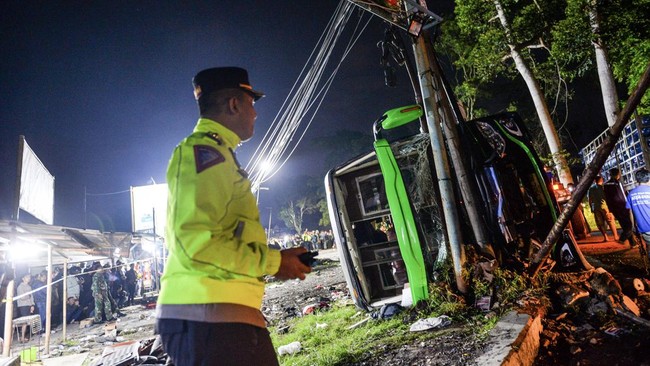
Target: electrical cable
<point x="304" y="100"/>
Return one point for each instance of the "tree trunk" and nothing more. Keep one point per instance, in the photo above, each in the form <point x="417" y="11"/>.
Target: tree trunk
<point x="552" y="137"/>
<point x="590" y="172"/>
<point x="605" y="76"/>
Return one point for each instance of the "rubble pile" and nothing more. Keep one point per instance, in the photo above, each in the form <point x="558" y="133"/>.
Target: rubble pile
<point x="290" y="299"/>
<point x="125" y="342"/>
<point x="594" y="316"/>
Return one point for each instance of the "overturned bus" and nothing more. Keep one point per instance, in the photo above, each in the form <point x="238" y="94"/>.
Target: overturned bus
<point x="387" y="221"/>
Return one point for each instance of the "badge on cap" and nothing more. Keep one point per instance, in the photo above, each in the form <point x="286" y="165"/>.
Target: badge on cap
<point x="197" y="92"/>
<point x="206" y="156"/>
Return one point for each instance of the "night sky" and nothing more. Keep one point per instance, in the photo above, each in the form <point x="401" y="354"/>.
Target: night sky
<point x="102" y="90"/>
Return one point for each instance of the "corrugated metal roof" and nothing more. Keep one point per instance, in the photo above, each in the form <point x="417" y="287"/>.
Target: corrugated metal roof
<point x="68" y="244"/>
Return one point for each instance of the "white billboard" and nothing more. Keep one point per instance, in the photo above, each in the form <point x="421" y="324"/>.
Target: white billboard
<point x="147" y="201"/>
<point x="36" y="194"/>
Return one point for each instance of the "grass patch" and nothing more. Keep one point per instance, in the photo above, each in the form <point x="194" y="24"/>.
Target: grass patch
<point x="336" y="344"/>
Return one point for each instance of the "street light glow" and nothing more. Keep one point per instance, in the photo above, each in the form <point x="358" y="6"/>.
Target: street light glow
<point x="266" y="166"/>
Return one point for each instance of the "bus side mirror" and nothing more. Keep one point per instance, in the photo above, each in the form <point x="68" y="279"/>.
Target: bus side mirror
<point x="397" y="117"/>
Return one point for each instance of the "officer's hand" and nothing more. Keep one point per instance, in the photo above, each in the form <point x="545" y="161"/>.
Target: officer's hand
<point x="291" y="267"/>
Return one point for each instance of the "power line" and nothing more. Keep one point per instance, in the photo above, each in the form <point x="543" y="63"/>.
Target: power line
<point x="107" y="194"/>
<point x="304" y="99"/>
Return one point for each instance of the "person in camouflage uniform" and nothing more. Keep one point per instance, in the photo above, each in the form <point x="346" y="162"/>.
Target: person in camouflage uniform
<point x="100" y="293"/>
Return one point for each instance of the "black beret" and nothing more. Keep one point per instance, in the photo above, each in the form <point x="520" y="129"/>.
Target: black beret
<point x="217" y="78"/>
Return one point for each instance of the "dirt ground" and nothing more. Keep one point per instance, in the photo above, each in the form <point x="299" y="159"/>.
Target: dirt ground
<point x="455" y="346"/>
<point x="569" y="338"/>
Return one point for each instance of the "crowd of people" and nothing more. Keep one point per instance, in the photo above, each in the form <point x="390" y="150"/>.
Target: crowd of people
<point x="92" y="290"/>
<point x="309" y="239"/>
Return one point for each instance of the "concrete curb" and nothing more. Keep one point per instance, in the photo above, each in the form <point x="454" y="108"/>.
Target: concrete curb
<point x="515" y="341"/>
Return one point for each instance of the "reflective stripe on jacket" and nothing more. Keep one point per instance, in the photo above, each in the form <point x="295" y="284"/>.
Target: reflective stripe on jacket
<point x="217" y="245"/>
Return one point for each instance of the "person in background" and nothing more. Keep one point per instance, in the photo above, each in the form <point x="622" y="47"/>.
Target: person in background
<point x="580" y="226"/>
<point x="101" y="295"/>
<point x="72" y="283"/>
<point x="616" y="199"/>
<point x="86" y="300"/>
<point x="74" y="312"/>
<point x="598" y="206"/>
<point x="638" y="202"/>
<point x="25" y="303"/>
<point x="131" y="279"/>
<point x="57" y="296"/>
<point x="40" y="296"/>
<point x="208" y="309"/>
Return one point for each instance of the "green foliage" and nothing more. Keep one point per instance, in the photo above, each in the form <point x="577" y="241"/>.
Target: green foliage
<point x="550" y="159"/>
<point x="471" y="81"/>
<point x="336" y="344"/>
<point x="480" y="48"/>
<point x="624" y="33"/>
<point x="293" y="214"/>
<point x="326" y="337"/>
<point x="324" y="211"/>
<point x="572" y="40"/>
<point x="443" y="301"/>
<point x="509" y="286"/>
<point x="626" y="27"/>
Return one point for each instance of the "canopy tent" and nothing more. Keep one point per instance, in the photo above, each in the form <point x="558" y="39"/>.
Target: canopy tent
<point x="38" y="245"/>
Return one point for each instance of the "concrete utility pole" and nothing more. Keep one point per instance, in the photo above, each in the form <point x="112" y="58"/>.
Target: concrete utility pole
<point x="431" y="100"/>
<point x="450" y="120"/>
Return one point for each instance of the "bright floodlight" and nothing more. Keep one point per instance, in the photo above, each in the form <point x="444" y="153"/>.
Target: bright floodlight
<point x="26" y="250"/>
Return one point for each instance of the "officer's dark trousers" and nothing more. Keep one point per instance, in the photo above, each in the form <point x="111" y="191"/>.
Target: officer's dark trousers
<point x="191" y="343"/>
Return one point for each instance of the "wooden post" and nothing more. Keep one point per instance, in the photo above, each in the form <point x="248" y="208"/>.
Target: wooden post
<point x="65" y="297"/>
<point x="9" y="315"/>
<point x="48" y="304"/>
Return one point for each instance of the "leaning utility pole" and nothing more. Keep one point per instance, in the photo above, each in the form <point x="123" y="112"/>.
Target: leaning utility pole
<point x="431" y="100"/>
<point x="450" y="121"/>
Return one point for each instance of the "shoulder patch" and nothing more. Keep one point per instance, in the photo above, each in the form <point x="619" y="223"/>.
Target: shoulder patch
<point x="206" y="156"/>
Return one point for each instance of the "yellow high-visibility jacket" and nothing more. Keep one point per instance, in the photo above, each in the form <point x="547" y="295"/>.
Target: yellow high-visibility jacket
<point x="217" y="245"/>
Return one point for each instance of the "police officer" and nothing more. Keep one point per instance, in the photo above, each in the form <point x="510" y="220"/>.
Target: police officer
<point x="208" y="310"/>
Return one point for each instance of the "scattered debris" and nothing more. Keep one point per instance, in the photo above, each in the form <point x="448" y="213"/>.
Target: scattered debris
<point x="312" y="308"/>
<point x="290" y="349"/>
<point x="483" y="303"/>
<point x="430" y="323"/>
<point x="569" y="294"/>
<point x="614" y="331"/>
<point x="387" y="311"/>
<point x="359" y="323"/>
